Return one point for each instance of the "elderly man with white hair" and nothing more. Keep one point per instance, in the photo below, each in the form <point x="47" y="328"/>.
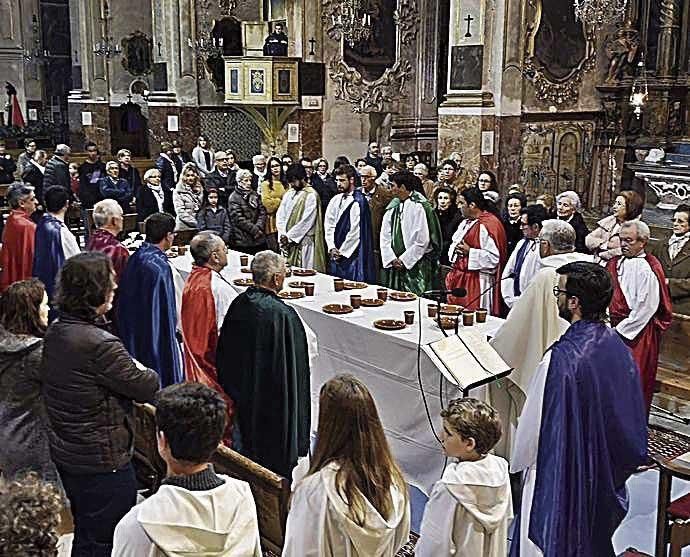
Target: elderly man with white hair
<point x="568" y="209"/>
<point x="259" y="174"/>
<point x="57" y="169"/>
<point x="533" y="325"/>
<point x="421" y="171"/>
<point x="641" y="308"/>
<point x="109" y="220"/>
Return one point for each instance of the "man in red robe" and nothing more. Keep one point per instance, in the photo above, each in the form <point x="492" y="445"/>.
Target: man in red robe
<point x="108" y="218"/>
<point x="478" y="251"/>
<point x="205" y="301"/>
<point x="16" y="258"/>
<point x="641" y="308"/>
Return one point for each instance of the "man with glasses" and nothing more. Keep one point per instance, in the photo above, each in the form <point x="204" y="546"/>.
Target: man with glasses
<point x="25" y="158"/>
<point x="221" y="178"/>
<point x="378" y="198"/>
<point x="641" y="306"/>
<point x="206" y="298"/>
<point x="147" y="308"/>
<point x="532" y="325"/>
<point x="583" y="429"/>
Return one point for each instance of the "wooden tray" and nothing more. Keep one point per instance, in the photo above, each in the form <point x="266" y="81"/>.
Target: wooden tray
<point x="402" y="296"/>
<point x="446" y="322"/>
<point x="303" y="272"/>
<point x="353" y="285"/>
<point x="389" y="324"/>
<point x="243" y="282"/>
<point x="337" y="309"/>
<point x="372" y="302"/>
<point x="288" y="295"/>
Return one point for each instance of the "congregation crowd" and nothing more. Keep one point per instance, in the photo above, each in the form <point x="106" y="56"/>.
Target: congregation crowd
<point x="87" y="328"/>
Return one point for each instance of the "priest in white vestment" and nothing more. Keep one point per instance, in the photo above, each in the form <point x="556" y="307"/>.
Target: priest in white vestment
<point x="533" y="325"/>
<point x="299" y="222"/>
<point x="525" y="260"/>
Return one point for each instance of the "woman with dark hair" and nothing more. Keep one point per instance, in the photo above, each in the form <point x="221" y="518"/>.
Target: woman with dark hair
<point x="604" y="241"/>
<point x="272" y="191"/>
<point x="203" y="156"/>
<point x="354" y="498"/>
<point x="449" y="216"/>
<point x="510" y="217"/>
<point x="340" y="159"/>
<point x="360" y="163"/>
<point x="23" y="428"/>
<point x="213" y="217"/>
<point x="89" y="383"/>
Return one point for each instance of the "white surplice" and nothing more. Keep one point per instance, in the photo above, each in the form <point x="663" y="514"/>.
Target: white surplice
<point x="530" y="265"/>
<point x="415" y="232"/>
<point x="302" y="232"/>
<point x="525" y="451"/>
<point x="640" y="289"/>
<point x="338" y="204"/>
<point x="484" y="259"/>
<point x="532" y="325"/>
<point x="224" y="293"/>
<point x="468" y="511"/>
<point x="319" y="522"/>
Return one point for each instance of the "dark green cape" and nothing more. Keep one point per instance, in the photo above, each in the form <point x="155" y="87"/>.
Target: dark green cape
<point x="263" y="365"/>
<point x="425" y="274"/>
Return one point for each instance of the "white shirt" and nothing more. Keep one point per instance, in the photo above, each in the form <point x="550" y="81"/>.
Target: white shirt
<point x="305" y="225"/>
<point x="530" y="265"/>
<point x="338" y="204"/>
<point x="640" y="289"/>
<point x="223" y="295"/>
<point x="484" y="259"/>
<point x="415" y="231"/>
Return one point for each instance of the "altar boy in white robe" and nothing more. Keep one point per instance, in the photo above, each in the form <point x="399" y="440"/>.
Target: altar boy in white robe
<point x="470" y="507"/>
<point x="353" y="502"/>
<point x="300" y="223"/>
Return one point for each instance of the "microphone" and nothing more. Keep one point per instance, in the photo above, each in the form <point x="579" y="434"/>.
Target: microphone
<point x="457" y="292"/>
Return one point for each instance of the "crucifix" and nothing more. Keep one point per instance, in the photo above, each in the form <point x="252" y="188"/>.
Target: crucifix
<point x="159" y="48"/>
<point x="468" y="19"/>
<point x="312" y="43"/>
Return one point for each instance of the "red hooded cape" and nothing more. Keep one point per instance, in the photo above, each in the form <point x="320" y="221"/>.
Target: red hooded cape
<point x="17" y="256"/>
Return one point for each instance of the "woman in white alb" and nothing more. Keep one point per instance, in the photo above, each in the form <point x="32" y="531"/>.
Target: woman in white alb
<point x="353" y="502"/>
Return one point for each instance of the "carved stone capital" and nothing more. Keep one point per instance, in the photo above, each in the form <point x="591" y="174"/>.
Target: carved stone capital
<point x="406" y="17"/>
<point x="369" y="96"/>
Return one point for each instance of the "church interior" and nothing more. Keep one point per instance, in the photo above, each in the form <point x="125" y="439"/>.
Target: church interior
<point x="543" y="96"/>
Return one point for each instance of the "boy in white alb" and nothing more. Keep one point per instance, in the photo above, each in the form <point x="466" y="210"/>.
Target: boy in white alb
<point x="470" y="507"/>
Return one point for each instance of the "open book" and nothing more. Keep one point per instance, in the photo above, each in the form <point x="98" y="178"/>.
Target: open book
<point x="467" y="359"/>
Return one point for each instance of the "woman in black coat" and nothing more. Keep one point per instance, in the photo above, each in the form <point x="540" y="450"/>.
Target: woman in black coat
<point x="449" y="216"/>
<point x="151" y="196"/>
<point x="510" y="217"/>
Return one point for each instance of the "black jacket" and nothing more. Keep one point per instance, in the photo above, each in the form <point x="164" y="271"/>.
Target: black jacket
<point x="581" y="231"/>
<point x="89" y="383"/>
<point x="7" y="168"/>
<point x="325" y="188"/>
<point x="224" y="185"/>
<point x="132" y="176"/>
<point x="168" y="182"/>
<point x="146" y="203"/>
<point x="32" y="175"/>
<point x="89" y="193"/>
<point x="247" y="218"/>
<point x="57" y="174"/>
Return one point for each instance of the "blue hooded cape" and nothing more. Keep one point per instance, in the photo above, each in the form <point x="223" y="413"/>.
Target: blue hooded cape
<point x="360" y="265"/>
<point x="593" y="435"/>
<point x="48" y="254"/>
<point x="146" y="313"/>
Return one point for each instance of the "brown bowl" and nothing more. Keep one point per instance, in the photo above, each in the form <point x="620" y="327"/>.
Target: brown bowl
<point x="402" y="296"/>
<point x="446" y="322"/>
<point x="288" y="295"/>
<point x="303" y="272"/>
<point x="243" y="282"/>
<point x="450" y="309"/>
<point x="389" y="324"/>
<point x="337" y="309"/>
<point x="352" y="285"/>
<point x="372" y="302"/>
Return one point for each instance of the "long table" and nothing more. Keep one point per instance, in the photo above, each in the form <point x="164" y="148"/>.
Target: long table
<point x="386" y="361"/>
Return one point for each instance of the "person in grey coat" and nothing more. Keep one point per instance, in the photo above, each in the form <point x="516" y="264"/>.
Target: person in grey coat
<point x="23" y="421"/>
<point x="213" y="217"/>
<point x="187" y="197"/>
<point x="247" y="216"/>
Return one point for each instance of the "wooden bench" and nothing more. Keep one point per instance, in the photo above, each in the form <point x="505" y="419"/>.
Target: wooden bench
<point x="271" y="491"/>
<point x="673" y="374"/>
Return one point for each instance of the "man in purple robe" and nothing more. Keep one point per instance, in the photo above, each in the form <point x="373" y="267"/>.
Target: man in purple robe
<point x="108" y="218"/>
<point x="583" y="430"/>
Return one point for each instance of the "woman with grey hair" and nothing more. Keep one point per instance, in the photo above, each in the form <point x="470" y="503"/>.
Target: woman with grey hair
<point x="568" y="209"/>
<point x="247" y="215"/>
<point x="187" y="197"/>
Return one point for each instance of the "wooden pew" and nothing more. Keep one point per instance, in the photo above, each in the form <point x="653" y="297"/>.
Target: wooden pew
<point x="271" y="491"/>
<point x="673" y="374"/>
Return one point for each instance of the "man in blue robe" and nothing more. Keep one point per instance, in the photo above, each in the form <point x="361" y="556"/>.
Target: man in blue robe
<point x="347" y="228"/>
<point x="53" y="242"/>
<point x="146" y="311"/>
<point x="583" y="430"/>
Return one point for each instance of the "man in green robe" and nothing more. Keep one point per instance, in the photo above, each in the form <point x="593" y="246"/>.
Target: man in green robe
<point x="263" y="365"/>
<point x="410" y="238"/>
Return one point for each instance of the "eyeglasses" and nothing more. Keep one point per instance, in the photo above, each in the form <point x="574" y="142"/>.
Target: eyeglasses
<point x="557" y="292"/>
<point x="275" y="166"/>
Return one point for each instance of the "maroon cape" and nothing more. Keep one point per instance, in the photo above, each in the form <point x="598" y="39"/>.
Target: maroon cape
<point x="200" y="336"/>
<point x="461" y="276"/>
<point x="645" y="346"/>
<point x="17" y="256"/>
<point x="103" y="241"/>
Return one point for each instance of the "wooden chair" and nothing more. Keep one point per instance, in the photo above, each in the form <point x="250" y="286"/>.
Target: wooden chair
<point x="183" y="237"/>
<point x="271" y="491"/>
<point x="673" y="517"/>
<point x="130" y="223"/>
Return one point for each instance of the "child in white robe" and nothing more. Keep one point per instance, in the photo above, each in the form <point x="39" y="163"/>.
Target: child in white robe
<point x="470" y="507"/>
<point x="334" y="511"/>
